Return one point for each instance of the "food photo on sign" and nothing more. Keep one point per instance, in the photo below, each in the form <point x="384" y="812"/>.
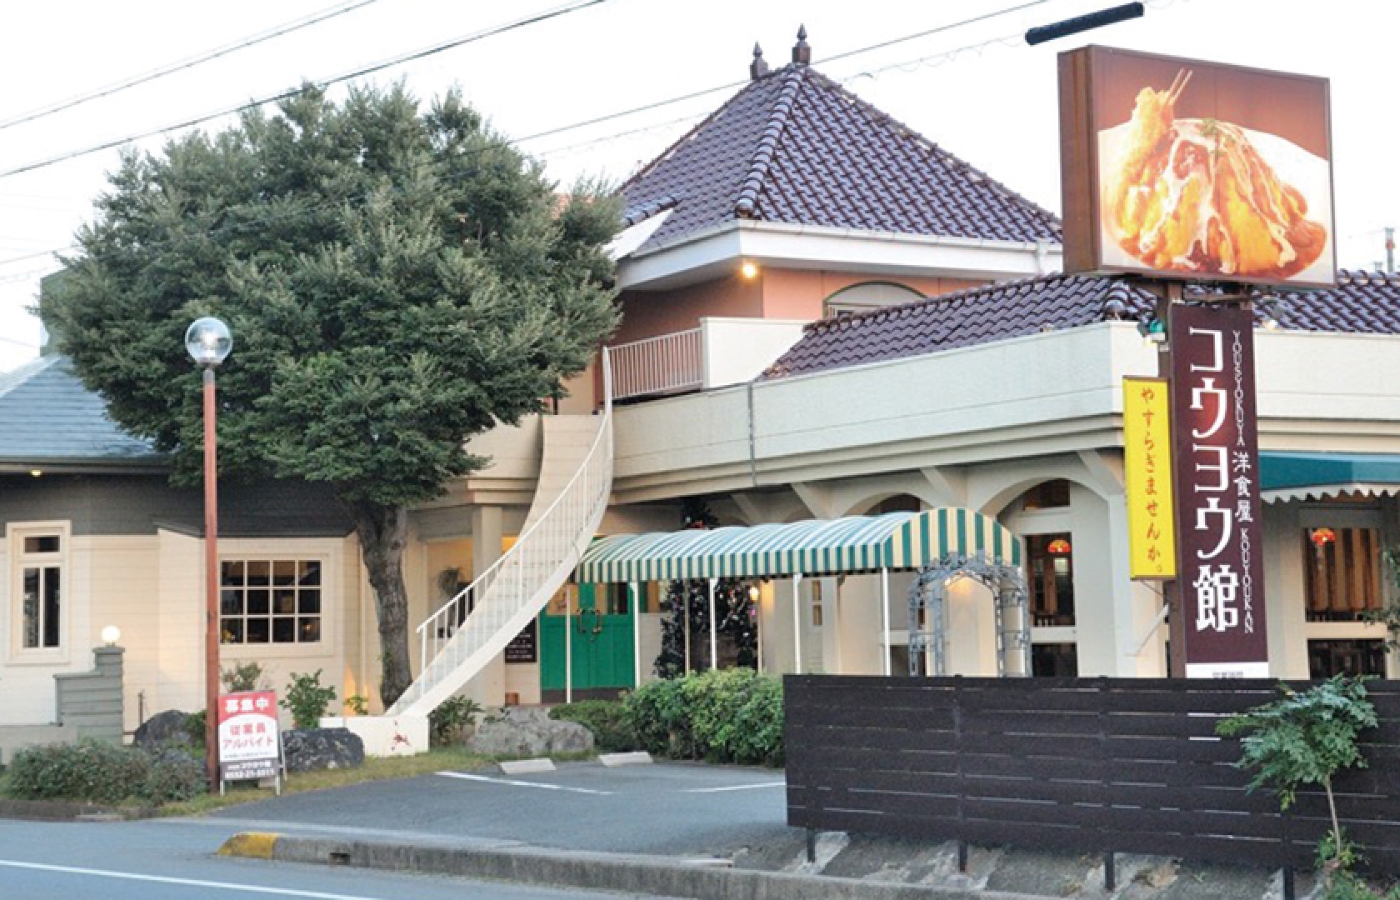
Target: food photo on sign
<point x="1200" y="170"/>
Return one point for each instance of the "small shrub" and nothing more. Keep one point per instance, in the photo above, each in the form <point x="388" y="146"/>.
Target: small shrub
<point x="90" y="771"/>
<point x="93" y="771"/>
<point x="357" y="704"/>
<point x="242" y="678"/>
<point x="171" y="777"/>
<point x="447" y="725"/>
<point x="1306" y="738"/>
<point x="1348" y="886"/>
<point x="307" y="700"/>
<point x="658" y="715"/>
<point x="728" y="716"/>
<point x="607" y="719"/>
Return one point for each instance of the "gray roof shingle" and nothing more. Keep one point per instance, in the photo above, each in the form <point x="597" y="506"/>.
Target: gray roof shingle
<point x="1362" y="302"/>
<point x="795" y="147"/>
<point x="47" y="416"/>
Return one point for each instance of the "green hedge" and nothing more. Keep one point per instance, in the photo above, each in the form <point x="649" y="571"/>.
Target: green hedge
<point x="96" y="772"/>
<point x="607" y="719"/>
<point x="728" y="716"/>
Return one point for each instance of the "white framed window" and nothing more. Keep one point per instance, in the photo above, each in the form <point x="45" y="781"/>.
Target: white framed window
<point x="272" y="600"/>
<point x="40" y="586"/>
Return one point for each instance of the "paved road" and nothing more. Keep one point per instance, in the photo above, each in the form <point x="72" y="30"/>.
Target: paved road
<point x="666" y="809"/>
<point x="166" y="860"/>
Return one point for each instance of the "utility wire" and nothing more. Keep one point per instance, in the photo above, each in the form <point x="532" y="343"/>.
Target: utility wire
<point x="944" y="55"/>
<point x="733" y="84"/>
<point x="291" y="92"/>
<point x="189" y="63"/>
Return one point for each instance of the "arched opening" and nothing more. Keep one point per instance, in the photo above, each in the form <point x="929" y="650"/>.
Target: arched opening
<point x="1041" y="514"/>
<point x="866" y="296"/>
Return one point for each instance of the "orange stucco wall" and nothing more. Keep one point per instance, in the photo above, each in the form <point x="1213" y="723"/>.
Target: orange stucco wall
<point x="800" y="293"/>
<point x="774" y="294"/>
<point x="650" y="313"/>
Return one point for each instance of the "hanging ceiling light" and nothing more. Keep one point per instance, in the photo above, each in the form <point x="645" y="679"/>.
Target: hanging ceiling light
<point x="1321" y="537"/>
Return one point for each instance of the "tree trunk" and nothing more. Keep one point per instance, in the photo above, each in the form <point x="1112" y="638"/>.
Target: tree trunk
<point x="383" y="535"/>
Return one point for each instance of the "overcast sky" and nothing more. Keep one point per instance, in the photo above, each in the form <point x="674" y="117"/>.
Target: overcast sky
<point x="976" y="89"/>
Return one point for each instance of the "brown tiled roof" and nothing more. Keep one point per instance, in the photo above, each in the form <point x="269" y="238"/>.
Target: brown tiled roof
<point x="796" y="147"/>
<point x="1362" y="302"/>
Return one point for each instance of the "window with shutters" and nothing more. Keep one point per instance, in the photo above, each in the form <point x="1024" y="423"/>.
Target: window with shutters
<point x="1342" y="573"/>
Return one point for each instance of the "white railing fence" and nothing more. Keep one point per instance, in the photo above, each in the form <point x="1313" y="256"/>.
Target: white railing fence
<point x="667" y="364"/>
<point x="469" y="630"/>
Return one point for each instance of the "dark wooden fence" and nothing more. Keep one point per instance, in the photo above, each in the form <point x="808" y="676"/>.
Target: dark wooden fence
<point x="1103" y="765"/>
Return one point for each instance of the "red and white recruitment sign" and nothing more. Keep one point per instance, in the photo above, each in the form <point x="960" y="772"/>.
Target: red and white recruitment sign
<point x="250" y="745"/>
<point x="1217" y="489"/>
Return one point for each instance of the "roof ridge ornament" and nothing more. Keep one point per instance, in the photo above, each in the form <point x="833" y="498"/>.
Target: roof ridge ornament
<point x="758" y="68"/>
<point x="801" y="52"/>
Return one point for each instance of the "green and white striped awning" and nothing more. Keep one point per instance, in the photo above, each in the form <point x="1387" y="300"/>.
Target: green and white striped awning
<point x="900" y="540"/>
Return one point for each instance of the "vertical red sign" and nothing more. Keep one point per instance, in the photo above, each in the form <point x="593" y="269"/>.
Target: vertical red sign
<point x="1217" y="486"/>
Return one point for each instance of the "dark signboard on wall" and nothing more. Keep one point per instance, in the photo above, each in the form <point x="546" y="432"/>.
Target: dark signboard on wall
<point x="1217" y="489"/>
<point x="1179" y="168"/>
<point x="523" y="648"/>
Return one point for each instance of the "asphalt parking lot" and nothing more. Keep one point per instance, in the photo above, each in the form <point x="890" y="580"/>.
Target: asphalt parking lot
<point x="667" y="809"/>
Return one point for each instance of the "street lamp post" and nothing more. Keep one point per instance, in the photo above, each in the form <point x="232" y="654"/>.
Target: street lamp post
<point x="208" y="341"/>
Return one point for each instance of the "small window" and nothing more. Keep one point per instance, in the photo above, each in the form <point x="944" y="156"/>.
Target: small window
<point x="1343" y="573"/>
<point x="1047" y="495"/>
<point x="867" y="296"/>
<point x="1357" y="657"/>
<point x="1055" y="660"/>
<point x="265" y="601"/>
<point x="40" y="567"/>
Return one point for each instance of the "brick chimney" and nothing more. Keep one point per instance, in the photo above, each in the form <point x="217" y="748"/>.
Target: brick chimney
<point x="758" y="68"/>
<point x="801" y="53"/>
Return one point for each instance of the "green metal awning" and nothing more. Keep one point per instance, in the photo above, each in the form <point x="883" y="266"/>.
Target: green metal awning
<point x="1315" y="476"/>
<point x="899" y="540"/>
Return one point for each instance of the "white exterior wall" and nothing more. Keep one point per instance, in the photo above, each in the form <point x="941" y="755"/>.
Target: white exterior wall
<point x="977" y="427"/>
<point x="152" y="589"/>
<point x="734" y="350"/>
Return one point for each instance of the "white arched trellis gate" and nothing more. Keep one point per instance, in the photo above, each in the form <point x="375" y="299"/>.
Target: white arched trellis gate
<point x="928" y="613"/>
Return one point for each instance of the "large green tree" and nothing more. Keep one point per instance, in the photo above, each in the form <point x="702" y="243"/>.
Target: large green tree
<point x="396" y="281"/>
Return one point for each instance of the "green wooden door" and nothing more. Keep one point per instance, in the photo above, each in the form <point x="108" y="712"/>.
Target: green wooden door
<point x="602" y="648"/>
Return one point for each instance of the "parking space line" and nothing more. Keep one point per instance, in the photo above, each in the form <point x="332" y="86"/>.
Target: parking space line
<point x="735" y="787"/>
<point x="188" y="882"/>
<point x="466" y="776"/>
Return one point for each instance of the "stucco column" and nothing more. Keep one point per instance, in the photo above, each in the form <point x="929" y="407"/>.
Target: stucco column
<point x="1136" y="605"/>
<point x="489" y="686"/>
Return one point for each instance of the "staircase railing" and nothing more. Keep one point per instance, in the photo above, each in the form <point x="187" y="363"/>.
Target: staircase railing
<point x="476" y="624"/>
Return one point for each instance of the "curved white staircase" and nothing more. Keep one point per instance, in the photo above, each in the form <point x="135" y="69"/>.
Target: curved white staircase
<point x="570" y="499"/>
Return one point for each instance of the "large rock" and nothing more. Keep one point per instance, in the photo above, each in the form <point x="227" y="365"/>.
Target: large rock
<point x="528" y="731"/>
<point x="164" y="730"/>
<point x="322" y="748"/>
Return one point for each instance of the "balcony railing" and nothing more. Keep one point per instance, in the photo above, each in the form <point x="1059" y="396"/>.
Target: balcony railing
<point x="669" y="364"/>
<point x="720" y="352"/>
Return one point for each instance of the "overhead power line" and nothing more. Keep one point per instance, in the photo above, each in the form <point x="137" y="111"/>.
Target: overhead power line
<point x="184" y="64"/>
<point x="291" y="92"/>
<point x="943" y="55"/>
<point x="733" y="84"/>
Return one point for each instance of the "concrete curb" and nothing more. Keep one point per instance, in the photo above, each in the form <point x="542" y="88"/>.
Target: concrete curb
<point x="63" y="810"/>
<point x="665" y="876"/>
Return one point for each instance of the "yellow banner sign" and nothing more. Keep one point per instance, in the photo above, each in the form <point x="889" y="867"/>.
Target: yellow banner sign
<point x="1147" y="439"/>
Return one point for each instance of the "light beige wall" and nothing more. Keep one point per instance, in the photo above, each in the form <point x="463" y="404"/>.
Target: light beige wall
<point x="125" y="595"/>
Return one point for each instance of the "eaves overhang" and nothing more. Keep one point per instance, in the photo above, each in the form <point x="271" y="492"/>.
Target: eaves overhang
<point x="703" y="255"/>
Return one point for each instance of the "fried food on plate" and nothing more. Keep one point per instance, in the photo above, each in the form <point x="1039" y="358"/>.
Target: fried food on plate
<point x="1195" y="195"/>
